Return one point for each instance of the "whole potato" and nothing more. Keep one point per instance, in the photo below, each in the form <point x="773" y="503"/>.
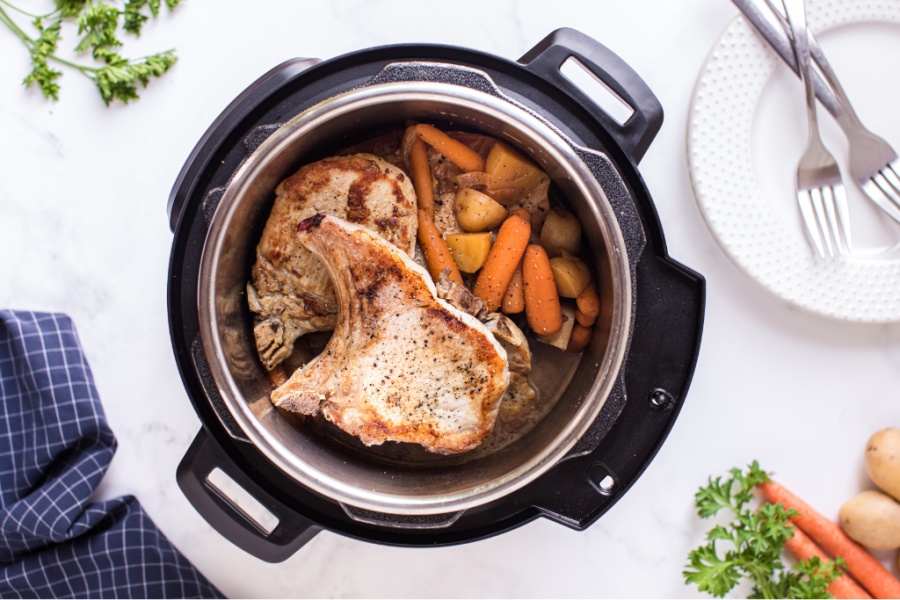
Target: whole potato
<point x="883" y="460"/>
<point x="872" y="519"/>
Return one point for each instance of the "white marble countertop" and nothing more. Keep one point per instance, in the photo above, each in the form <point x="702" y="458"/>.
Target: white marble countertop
<point x="83" y="230"/>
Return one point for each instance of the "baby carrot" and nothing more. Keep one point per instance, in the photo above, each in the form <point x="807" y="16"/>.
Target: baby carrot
<point x="421" y="174"/>
<point x="583" y="319"/>
<point x="456" y="152"/>
<point x="501" y="262"/>
<point x="801" y="547"/>
<point x="437" y="254"/>
<point x="864" y="567"/>
<point x="588" y="302"/>
<point x="514" y="298"/>
<point x="579" y="338"/>
<point x="542" y="307"/>
<point x="522" y="212"/>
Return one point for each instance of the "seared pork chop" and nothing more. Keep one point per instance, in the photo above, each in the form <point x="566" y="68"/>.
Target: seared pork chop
<point x="402" y="365"/>
<point x="519" y="398"/>
<point x="290" y="290"/>
<point x="518" y="401"/>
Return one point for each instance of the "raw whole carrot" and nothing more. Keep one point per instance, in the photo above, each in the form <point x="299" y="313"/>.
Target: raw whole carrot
<point x="456" y="152"/>
<point x="579" y="338"/>
<point x="501" y="262"/>
<point x="542" y="309"/>
<point x="583" y="319"/>
<point x="802" y="548"/>
<point x="514" y="298"/>
<point x="437" y="254"/>
<point x="868" y="571"/>
<point x="421" y="174"/>
<point x="588" y="302"/>
<point x="277" y="375"/>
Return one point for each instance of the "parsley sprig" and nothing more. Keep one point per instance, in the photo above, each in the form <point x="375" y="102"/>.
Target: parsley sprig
<point x="750" y="546"/>
<point x="98" y="23"/>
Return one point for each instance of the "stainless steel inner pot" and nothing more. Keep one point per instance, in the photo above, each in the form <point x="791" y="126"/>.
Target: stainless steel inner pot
<point x="371" y="478"/>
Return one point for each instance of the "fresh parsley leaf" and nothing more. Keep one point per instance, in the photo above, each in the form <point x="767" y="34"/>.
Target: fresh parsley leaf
<point x="751" y="544"/>
<point x="134" y="19"/>
<point x="43" y="48"/>
<point x="710" y="573"/>
<point x="118" y="80"/>
<point x="98" y="23"/>
<point x="69" y="9"/>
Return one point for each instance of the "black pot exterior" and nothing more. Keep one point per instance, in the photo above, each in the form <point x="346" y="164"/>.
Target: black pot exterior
<point x="668" y="306"/>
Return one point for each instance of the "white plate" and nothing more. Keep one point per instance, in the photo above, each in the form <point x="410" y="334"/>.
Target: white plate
<point x="746" y="131"/>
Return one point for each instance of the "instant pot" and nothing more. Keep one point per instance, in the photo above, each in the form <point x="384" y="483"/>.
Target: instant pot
<point x="612" y="406"/>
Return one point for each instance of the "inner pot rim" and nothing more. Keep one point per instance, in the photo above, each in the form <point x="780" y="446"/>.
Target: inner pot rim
<point x="560" y="151"/>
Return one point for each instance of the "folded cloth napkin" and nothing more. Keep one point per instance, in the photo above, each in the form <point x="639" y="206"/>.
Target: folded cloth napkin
<point x="55" y="447"/>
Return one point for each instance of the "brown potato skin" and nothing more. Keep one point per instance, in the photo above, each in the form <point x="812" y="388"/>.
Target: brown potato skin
<point x="872" y="518"/>
<point x="883" y="460"/>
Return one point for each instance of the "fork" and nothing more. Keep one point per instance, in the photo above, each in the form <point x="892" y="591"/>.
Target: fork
<point x="874" y="164"/>
<point x="820" y="191"/>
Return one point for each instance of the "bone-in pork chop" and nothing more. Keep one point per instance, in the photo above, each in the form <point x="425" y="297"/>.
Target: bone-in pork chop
<point x="402" y="365"/>
<point x="290" y="290"/>
<point x="519" y="398"/>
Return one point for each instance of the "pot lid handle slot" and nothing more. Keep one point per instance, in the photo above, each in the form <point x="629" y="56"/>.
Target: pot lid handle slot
<point x="547" y="59"/>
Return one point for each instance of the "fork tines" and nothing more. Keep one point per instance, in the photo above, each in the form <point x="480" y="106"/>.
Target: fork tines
<point x="826" y="219"/>
<point x="884" y="188"/>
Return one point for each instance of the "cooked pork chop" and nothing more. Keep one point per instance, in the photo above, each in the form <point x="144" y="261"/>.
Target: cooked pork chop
<point x="518" y="400"/>
<point x="402" y="365"/>
<point x="290" y="290"/>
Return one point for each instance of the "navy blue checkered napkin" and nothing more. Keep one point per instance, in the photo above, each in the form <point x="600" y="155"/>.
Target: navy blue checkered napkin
<point x="55" y="446"/>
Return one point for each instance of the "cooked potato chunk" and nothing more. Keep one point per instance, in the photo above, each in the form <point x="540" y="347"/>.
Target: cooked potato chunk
<point x="561" y="232"/>
<point x="511" y="172"/>
<point x="469" y="250"/>
<point x="478" y="212"/>
<point x="571" y="275"/>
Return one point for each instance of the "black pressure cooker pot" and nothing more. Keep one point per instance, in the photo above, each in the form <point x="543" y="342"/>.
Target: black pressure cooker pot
<point x="612" y="406"/>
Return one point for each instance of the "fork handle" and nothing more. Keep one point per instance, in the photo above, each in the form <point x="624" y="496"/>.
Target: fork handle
<point x="796" y="14"/>
<point x="774" y="29"/>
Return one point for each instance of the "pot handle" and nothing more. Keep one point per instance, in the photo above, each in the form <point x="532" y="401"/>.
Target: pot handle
<point x="547" y="58"/>
<point x="205" y="456"/>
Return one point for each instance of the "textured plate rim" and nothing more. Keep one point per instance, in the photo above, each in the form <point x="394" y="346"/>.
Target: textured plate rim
<point x="858" y="13"/>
